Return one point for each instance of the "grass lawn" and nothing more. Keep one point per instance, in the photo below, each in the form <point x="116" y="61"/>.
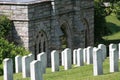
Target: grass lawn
<point x="76" y="73"/>
<point x="113" y="25"/>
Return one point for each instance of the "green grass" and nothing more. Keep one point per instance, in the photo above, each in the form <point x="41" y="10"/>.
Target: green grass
<point x="113" y="25"/>
<point x="76" y="73"/>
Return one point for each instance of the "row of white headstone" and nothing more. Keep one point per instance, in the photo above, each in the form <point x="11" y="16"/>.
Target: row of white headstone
<point x="27" y="65"/>
<point x="80" y="56"/>
<point x="35" y="68"/>
<point x="89" y="55"/>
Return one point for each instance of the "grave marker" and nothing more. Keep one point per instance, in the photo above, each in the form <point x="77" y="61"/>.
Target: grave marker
<point x="80" y="57"/>
<point x="43" y="58"/>
<point x="55" y="60"/>
<point x="68" y="63"/>
<point x="97" y="62"/>
<point x="18" y="64"/>
<point x="62" y="57"/>
<point x="112" y="46"/>
<point x="26" y="66"/>
<point x="85" y="55"/>
<point x="113" y="60"/>
<point x="32" y="57"/>
<point x="104" y="50"/>
<point x="89" y="55"/>
<point x="36" y="70"/>
<point x="8" y="69"/>
<point x="119" y="50"/>
<point x="75" y="56"/>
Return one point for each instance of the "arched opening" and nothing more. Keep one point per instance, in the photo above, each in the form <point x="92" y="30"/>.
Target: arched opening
<point x="41" y="43"/>
<point x="87" y="33"/>
<point x="66" y="40"/>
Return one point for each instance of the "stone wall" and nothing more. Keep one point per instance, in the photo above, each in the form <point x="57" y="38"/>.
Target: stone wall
<point x="39" y="26"/>
<point x="18" y="13"/>
<point x="79" y="16"/>
<point x="88" y="9"/>
<point x="39" y="20"/>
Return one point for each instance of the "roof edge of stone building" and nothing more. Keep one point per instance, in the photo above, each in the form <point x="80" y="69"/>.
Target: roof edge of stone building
<point x="24" y="3"/>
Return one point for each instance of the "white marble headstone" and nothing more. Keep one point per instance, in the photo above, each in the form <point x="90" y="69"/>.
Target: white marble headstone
<point x="55" y="60"/>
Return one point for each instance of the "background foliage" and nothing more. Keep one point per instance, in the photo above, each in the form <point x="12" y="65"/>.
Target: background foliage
<point x="5" y="26"/>
<point x="117" y="9"/>
<point x="100" y="27"/>
<point x="100" y="13"/>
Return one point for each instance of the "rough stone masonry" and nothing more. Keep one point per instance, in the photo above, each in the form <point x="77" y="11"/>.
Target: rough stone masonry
<point x="45" y="25"/>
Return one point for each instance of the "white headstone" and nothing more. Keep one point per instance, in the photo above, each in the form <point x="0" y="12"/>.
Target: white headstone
<point x="55" y="60"/>
<point x="89" y="55"/>
<point x="119" y="50"/>
<point x="80" y="61"/>
<point x="32" y="57"/>
<point x="26" y="66"/>
<point x="97" y="62"/>
<point x="104" y="50"/>
<point x="63" y="58"/>
<point x="75" y="56"/>
<point x="68" y="62"/>
<point x="113" y="60"/>
<point x="8" y="69"/>
<point x="43" y="58"/>
<point x="36" y="70"/>
<point x="111" y="47"/>
<point x="85" y="55"/>
<point x="18" y="64"/>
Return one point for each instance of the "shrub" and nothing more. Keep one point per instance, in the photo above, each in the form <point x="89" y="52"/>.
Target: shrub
<point x="5" y="26"/>
<point x="9" y="50"/>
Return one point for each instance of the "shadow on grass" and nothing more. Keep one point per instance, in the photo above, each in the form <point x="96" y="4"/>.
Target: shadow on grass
<point x="113" y="28"/>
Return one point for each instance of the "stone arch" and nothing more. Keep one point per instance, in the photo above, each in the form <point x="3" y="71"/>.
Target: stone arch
<point x="41" y="42"/>
<point x="67" y="32"/>
<point x="87" y="32"/>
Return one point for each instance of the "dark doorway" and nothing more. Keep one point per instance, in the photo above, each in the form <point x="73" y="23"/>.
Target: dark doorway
<point x="66" y="37"/>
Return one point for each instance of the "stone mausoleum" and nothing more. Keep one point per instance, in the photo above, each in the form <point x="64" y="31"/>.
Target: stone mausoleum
<point x="45" y="25"/>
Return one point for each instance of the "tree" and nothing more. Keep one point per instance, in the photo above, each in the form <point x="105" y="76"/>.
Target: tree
<point x="99" y="22"/>
<point x="117" y="9"/>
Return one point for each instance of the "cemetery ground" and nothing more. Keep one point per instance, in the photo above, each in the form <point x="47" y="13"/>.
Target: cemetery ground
<point x="76" y="73"/>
